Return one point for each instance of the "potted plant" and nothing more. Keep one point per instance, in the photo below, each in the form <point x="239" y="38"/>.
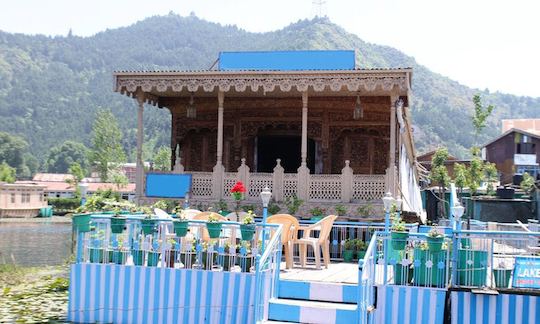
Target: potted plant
<point x="361" y="248"/>
<point x="148" y="223"/>
<point x="365" y="211"/>
<point x="317" y="213"/>
<point x="172" y="252"/>
<point x="95" y="251"/>
<point x="399" y="233"/>
<point x="435" y="240"/>
<point x="226" y="259"/>
<point x="340" y="210"/>
<point x="237" y="192"/>
<point x="273" y="207"/>
<point x="118" y="222"/>
<point x="245" y="258"/>
<point x="348" y="250"/>
<point x="222" y="207"/>
<point x="208" y="255"/>
<point x="427" y="271"/>
<point x="81" y="222"/>
<point x="180" y="223"/>
<point x="293" y="204"/>
<point x="501" y="276"/>
<point x="138" y="254"/>
<point x="152" y="258"/>
<point x="213" y="225"/>
<point x="188" y="256"/>
<point x="247" y="229"/>
<point x="120" y="253"/>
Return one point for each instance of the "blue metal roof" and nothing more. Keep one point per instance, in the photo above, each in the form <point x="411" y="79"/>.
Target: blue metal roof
<point x="287" y="60"/>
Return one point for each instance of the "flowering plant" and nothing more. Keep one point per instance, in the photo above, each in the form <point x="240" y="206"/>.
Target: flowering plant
<point x="238" y="191"/>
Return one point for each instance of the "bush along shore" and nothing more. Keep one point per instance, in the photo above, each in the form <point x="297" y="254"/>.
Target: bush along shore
<point x="33" y="295"/>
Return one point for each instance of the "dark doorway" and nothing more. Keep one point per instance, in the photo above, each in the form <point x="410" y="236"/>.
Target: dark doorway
<point x="287" y="148"/>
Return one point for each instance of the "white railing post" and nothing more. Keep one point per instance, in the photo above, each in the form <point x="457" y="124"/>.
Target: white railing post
<point x="243" y="174"/>
<point x="277" y="181"/>
<point x="346" y="183"/>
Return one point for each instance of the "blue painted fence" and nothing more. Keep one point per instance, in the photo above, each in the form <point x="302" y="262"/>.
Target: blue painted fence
<point x="468" y="307"/>
<point x="111" y="293"/>
<point x="408" y="304"/>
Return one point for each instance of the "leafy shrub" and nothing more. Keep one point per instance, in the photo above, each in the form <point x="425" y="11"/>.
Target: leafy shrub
<point x="65" y="204"/>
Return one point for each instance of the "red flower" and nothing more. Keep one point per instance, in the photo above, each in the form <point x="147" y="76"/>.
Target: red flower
<point x="238" y="188"/>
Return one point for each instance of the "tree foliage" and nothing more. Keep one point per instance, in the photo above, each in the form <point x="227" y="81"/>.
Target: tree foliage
<point x="107" y="151"/>
<point x="162" y="159"/>
<point x="62" y="157"/>
<point x="7" y="173"/>
<point x="14" y="152"/>
<point x="481" y="114"/>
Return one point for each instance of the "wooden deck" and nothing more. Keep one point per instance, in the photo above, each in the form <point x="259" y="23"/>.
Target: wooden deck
<point x="336" y="273"/>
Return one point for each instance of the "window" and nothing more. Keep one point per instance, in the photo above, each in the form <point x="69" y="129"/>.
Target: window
<point x="530" y="169"/>
<point x="526" y="148"/>
<point x="12" y="198"/>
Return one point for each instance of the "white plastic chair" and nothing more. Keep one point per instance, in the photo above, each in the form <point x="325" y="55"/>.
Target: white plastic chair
<point x="317" y="243"/>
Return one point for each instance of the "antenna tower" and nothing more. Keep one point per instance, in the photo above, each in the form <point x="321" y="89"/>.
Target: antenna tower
<point x="319" y="8"/>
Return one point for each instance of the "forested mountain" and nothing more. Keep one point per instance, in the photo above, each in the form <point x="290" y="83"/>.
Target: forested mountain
<point x="52" y="87"/>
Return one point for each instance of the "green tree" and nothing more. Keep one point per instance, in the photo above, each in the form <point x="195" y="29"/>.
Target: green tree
<point x="491" y="175"/>
<point x="62" y="157"/>
<point x="117" y="177"/>
<point x="460" y="177"/>
<point x="12" y="152"/>
<point x="7" y="173"/>
<point x="162" y="159"/>
<point x="107" y="150"/>
<point x="439" y="175"/>
<point x="480" y="116"/>
<point x="78" y="174"/>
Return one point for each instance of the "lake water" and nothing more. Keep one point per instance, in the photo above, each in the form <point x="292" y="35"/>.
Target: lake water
<point x="35" y="244"/>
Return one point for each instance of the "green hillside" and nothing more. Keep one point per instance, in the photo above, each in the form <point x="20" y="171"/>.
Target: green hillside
<point x="51" y="87"/>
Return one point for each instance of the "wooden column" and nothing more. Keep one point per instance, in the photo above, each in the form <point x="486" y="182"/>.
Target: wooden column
<point x="304" y="127"/>
<point x="219" y="158"/>
<point x="139" y="176"/>
<point x="325" y="143"/>
<point x="303" y="171"/>
<point x="392" y="156"/>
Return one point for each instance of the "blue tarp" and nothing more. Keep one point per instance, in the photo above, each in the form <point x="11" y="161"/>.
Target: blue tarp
<point x="287" y="60"/>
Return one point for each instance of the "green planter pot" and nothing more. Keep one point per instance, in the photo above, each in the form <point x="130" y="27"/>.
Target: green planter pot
<point x="148" y="225"/>
<point x="117" y="224"/>
<point x="360" y="254"/>
<point x="180" y="227"/>
<point x="226" y="261"/>
<point x="152" y="259"/>
<point x="96" y="255"/>
<point x="124" y="212"/>
<point x="435" y="243"/>
<point x="81" y="222"/>
<point x="399" y="240"/>
<point x="472" y="273"/>
<point x="402" y="274"/>
<point x="119" y="257"/>
<point x="188" y="259"/>
<point x="247" y="231"/>
<point x="348" y="255"/>
<point x="429" y="276"/>
<point x="317" y="218"/>
<point x="138" y="257"/>
<point x="502" y="277"/>
<point x="245" y="262"/>
<point x="214" y="229"/>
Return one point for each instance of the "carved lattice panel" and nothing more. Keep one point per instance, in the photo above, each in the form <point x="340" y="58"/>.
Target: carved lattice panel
<point x="229" y="180"/>
<point x="257" y="182"/>
<point x="325" y="187"/>
<point x="290" y="185"/>
<point x="201" y="185"/>
<point x="368" y="187"/>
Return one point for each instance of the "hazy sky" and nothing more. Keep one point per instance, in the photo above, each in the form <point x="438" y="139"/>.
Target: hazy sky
<point x="481" y="43"/>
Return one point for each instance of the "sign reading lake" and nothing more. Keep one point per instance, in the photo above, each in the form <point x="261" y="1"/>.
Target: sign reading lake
<point x="527" y="272"/>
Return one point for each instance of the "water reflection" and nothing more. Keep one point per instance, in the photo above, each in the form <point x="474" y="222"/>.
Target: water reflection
<point x="35" y="244"/>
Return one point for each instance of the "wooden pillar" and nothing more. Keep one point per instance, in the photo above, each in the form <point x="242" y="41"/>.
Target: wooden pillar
<point x="325" y="143"/>
<point x="139" y="177"/>
<point x="304" y="127"/>
<point x="219" y="158"/>
<point x="392" y="154"/>
<point x="303" y="171"/>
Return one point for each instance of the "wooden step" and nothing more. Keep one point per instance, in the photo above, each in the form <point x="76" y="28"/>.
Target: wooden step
<point x="318" y="291"/>
<point x="313" y="312"/>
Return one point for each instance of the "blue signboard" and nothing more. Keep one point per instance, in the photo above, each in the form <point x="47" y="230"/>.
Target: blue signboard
<point x="527" y="272"/>
<point x="166" y="185"/>
<point x="287" y="60"/>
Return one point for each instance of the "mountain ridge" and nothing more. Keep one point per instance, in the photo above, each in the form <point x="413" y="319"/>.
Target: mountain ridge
<point x="51" y="87"/>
